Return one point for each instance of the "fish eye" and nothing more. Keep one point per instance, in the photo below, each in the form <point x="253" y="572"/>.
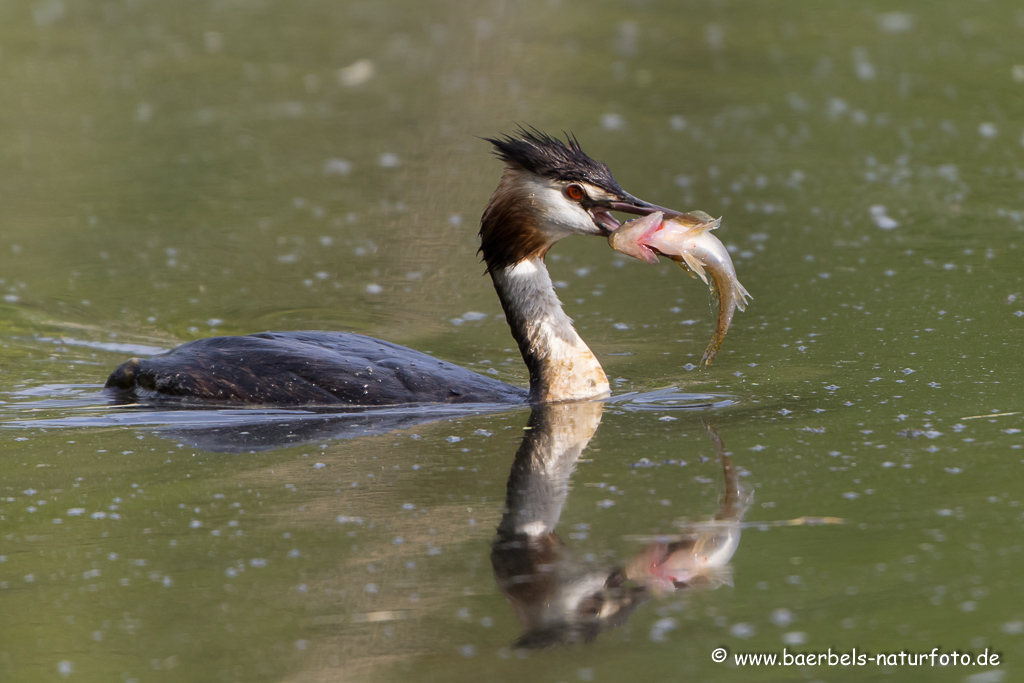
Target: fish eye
<point x="575" y="192"/>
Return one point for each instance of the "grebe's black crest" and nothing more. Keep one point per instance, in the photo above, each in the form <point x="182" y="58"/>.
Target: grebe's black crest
<point x="549" y="157"/>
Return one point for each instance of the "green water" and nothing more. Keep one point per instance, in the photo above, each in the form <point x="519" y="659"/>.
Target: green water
<point x="170" y="171"/>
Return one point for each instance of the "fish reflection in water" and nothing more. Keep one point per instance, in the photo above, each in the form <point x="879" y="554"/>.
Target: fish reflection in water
<point x="559" y="598"/>
<point x="700" y="558"/>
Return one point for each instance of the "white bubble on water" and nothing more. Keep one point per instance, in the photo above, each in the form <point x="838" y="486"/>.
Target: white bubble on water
<point x="714" y="35"/>
<point x="882" y="219"/>
<point x="611" y="121"/>
<point x="895" y="22"/>
<point x="948" y="171"/>
<point x="794" y="638"/>
<point x="742" y="630"/>
<point x="661" y="628"/>
<point x="357" y="73"/>
<point x="1013" y="628"/>
<point x="782" y="617"/>
<point x="213" y="41"/>
<point x="389" y="160"/>
<point x="337" y="167"/>
<point x="144" y="112"/>
<point x="344" y="519"/>
<point x="862" y="65"/>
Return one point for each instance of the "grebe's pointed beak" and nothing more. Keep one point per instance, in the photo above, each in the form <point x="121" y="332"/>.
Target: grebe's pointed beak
<point x="638" y="207"/>
<point x="626" y="203"/>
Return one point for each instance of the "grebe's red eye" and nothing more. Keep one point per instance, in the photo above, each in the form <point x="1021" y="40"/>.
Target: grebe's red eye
<point x="575" y="192"/>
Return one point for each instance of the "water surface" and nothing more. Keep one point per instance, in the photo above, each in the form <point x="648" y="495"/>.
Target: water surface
<point x="177" y="171"/>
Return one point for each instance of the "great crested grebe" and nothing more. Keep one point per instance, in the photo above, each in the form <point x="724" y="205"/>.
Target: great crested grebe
<point x="549" y="190"/>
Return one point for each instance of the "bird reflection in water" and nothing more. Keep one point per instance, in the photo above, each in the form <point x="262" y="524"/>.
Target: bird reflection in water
<point x="560" y="598"/>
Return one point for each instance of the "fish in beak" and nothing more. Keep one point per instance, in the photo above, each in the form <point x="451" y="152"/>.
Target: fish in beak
<point x="686" y="239"/>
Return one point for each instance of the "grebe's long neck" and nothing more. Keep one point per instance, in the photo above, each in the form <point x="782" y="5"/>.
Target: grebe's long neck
<point x="562" y="367"/>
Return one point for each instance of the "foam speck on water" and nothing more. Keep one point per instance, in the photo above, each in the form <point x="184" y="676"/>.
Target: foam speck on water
<point x="882" y="219"/>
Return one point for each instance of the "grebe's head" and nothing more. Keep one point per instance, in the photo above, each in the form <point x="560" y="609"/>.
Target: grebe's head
<point x="550" y="189"/>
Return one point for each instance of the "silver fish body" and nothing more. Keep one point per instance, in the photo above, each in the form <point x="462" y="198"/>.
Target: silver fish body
<point x="688" y="240"/>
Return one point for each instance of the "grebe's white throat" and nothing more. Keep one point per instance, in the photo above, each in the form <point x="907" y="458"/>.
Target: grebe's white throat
<point x="562" y="367"/>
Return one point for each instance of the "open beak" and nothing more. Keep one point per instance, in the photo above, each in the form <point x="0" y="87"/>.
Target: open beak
<point x="627" y="203"/>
